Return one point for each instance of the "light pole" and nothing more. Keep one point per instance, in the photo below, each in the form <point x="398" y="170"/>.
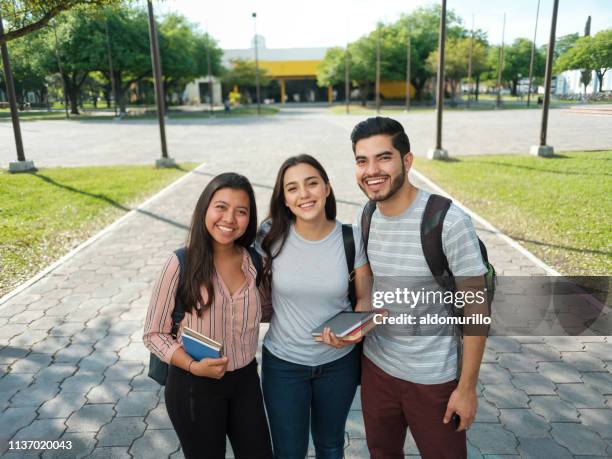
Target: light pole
<point x="439" y="152"/>
<point x="470" y="63"/>
<point x="164" y="161"/>
<point x="257" y="90"/>
<point x="209" y="69"/>
<point x="61" y="70"/>
<point x="347" y="82"/>
<point x="21" y="165"/>
<point x="408" y="56"/>
<point x="500" y="65"/>
<point x="543" y="149"/>
<point x="377" y="86"/>
<point x="533" y="48"/>
<point x="111" y="68"/>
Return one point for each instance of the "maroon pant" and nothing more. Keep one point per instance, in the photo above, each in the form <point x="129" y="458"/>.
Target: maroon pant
<point x="390" y="405"/>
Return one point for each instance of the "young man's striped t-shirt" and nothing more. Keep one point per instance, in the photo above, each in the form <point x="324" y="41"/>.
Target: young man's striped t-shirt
<point x="396" y="258"/>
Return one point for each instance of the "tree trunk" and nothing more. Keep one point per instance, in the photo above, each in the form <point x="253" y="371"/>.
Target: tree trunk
<point x="477" y="88"/>
<point x="514" y="87"/>
<point x="418" y="88"/>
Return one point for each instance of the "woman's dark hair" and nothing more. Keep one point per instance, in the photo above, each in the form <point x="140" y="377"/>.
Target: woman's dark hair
<point x="280" y="217"/>
<point x="199" y="262"/>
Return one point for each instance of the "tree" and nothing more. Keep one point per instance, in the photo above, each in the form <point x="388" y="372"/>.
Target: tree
<point x="331" y="69"/>
<point x="27" y="16"/>
<point x="517" y="58"/>
<point x="242" y="73"/>
<point x="589" y="53"/>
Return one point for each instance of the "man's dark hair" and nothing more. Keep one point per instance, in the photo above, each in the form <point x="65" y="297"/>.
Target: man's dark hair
<point x="386" y="126"/>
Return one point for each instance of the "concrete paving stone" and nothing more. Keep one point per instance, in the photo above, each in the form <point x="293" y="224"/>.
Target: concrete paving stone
<point x="114" y="342"/>
<point x="121" y="432"/>
<point x="579" y="439"/>
<point x="541" y="352"/>
<point x="18" y="454"/>
<point x="534" y="384"/>
<point x="126" y="327"/>
<point x="600" y="381"/>
<point x="137" y="403"/>
<point x="553" y="408"/>
<point x="354" y="425"/>
<point x="565" y="343"/>
<point x="81" y="382"/>
<point x="10" y="354"/>
<point x="518" y="363"/>
<point x="542" y="448"/>
<point x="489" y="356"/>
<point x="28" y="339"/>
<point x="75" y="299"/>
<point x="44" y="323"/>
<point x="11" y="330"/>
<point x="158" y="418"/>
<point x="505" y="396"/>
<point x="61" y="406"/>
<point x="11" y="383"/>
<point x="61" y="310"/>
<point x="524" y="423"/>
<point x="135" y="351"/>
<point x="493" y="373"/>
<point x="529" y="339"/>
<point x="144" y="383"/>
<point x="582" y="361"/>
<point x="14" y="419"/>
<point x="110" y="453"/>
<point x="492" y="439"/>
<point x="410" y="447"/>
<point x="559" y="372"/>
<point x="163" y="442"/>
<point x="93" y="305"/>
<point x="90" y="418"/>
<point x="67" y="329"/>
<point x="179" y="455"/>
<point x="598" y="420"/>
<point x="81" y="445"/>
<point x="106" y="291"/>
<point x="124" y="370"/>
<point x="42" y="429"/>
<point x="108" y="392"/>
<point x="503" y="344"/>
<point x="89" y="336"/>
<point x="32" y="363"/>
<point x="25" y="317"/>
<point x="581" y="395"/>
<point x="35" y="395"/>
<point x="24" y="299"/>
<point x="486" y="412"/>
<point x="98" y="361"/>
<point x="11" y="309"/>
<point x="73" y="353"/>
<point x="56" y="293"/>
<point x="51" y="344"/>
<point x="356" y="405"/>
<point x="600" y="350"/>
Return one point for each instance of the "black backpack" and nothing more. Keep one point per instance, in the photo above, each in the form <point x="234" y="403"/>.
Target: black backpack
<point x="158" y="369"/>
<point x="431" y="242"/>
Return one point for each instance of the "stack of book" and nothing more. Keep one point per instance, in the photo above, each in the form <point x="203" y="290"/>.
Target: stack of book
<point x="349" y="326"/>
<point x="199" y="346"/>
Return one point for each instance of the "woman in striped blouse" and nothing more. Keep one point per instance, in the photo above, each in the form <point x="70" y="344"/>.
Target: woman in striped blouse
<point x="211" y="398"/>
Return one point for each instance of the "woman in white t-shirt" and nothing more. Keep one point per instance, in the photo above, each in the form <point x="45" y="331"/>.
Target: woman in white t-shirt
<point x="308" y="385"/>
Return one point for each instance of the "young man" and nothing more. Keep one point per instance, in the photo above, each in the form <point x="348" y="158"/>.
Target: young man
<point x="409" y="378"/>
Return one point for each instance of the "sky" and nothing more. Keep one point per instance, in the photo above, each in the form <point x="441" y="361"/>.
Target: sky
<point x="326" y="23"/>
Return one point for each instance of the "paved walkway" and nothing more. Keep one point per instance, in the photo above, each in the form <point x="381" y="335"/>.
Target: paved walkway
<point x="137" y="141"/>
<point x="74" y="367"/>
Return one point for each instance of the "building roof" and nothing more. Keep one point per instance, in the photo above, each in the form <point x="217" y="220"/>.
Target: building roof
<point x="274" y="54"/>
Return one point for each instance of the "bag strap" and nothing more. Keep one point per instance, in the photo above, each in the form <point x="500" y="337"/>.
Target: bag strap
<point x="366" y="221"/>
<point x="349" y="252"/>
<point x="257" y="262"/>
<point x="179" y="310"/>
<point x="431" y="240"/>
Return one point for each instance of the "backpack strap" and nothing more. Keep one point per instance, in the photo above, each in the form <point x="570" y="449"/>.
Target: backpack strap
<point x="257" y="262"/>
<point x="349" y="251"/>
<point x="179" y="310"/>
<point x="431" y="240"/>
<point x="366" y="221"/>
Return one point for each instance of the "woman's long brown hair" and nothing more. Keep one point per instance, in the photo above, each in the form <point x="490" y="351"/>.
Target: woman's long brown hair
<point x="280" y="217"/>
<point x="199" y="263"/>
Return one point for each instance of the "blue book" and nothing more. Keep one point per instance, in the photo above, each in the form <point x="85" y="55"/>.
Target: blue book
<point x="199" y="346"/>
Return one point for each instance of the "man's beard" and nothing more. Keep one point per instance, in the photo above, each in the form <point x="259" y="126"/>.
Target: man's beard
<point x="396" y="184"/>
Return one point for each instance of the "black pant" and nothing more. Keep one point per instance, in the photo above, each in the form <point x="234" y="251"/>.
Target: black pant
<point x="204" y="410"/>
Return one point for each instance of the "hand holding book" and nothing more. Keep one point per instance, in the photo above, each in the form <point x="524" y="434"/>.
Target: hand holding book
<point x="207" y="354"/>
<point x="209" y="368"/>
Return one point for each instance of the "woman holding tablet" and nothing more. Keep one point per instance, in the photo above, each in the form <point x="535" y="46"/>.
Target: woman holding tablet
<point x="307" y="385"/>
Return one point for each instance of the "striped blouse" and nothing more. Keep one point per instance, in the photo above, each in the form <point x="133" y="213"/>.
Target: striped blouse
<point x="232" y="320"/>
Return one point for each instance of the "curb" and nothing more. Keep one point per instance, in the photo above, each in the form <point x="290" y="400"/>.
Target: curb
<point x="94" y="238"/>
<point x="515" y="245"/>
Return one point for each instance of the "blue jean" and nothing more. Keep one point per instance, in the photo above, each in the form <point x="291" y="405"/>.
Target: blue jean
<point x="299" y="396"/>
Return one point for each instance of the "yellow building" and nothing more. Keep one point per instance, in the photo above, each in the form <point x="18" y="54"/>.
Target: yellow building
<point x="293" y="72"/>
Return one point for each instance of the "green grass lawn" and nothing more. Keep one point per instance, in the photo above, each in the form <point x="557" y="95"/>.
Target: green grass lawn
<point x="43" y="215"/>
<point x="172" y="114"/>
<point x="559" y="208"/>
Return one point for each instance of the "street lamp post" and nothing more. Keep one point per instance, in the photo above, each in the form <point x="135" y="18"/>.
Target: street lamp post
<point x="377" y="86"/>
<point x="408" y="56"/>
<point x="347" y="82"/>
<point x="533" y="48"/>
<point x="471" y="52"/>
<point x="209" y="69"/>
<point x="500" y="65"/>
<point x="111" y="69"/>
<point x="164" y="161"/>
<point x="439" y="152"/>
<point x="257" y="90"/>
<point x="21" y="165"/>
<point x="543" y="149"/>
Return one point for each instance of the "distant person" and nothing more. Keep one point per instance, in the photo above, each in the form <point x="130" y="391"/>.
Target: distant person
<point x="308" y="385"/>
<point x="411" y="380"/>
<point x="211" y="398"/>
<point x="227" y="106"/>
